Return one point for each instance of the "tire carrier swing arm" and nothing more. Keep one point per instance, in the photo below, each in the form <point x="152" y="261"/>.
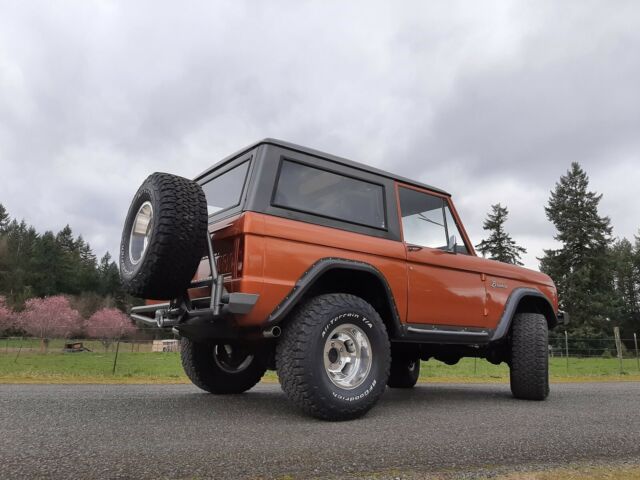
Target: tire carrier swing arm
<point x="184" y="311"/>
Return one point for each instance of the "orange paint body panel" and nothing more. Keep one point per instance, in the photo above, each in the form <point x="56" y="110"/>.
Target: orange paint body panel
<point x="277" y="251"/>
<point x="429" y="286"/>
<point x="449" y="289"/>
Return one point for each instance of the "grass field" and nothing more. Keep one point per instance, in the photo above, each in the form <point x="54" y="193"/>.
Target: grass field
<point x="610" y="471"/>
<point x="26" y="365"/>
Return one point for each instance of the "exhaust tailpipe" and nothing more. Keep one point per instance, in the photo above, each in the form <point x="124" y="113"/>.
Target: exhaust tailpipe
<point x="273" y="332"/>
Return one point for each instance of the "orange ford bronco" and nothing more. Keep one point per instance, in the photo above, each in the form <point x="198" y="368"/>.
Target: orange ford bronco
<point x="339" y="276"/>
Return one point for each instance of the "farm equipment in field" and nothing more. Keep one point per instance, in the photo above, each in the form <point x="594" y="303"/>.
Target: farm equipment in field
<point x="74" y="347"/>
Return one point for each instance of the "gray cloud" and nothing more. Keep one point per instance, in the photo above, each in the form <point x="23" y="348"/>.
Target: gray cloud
<point x="491" y="101"/>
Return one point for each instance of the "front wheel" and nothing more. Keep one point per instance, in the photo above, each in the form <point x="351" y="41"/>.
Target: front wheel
<point x="222" y="368"/>
<point x="333" y="357"/>
<point x="529" y="357"/>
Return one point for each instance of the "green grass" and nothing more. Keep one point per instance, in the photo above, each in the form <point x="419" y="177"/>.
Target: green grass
<point x="86" y="366"/>
<point x="27" y="365"/>
<point x="578" y="367"/>
<point x="29" y="344"/>
<point x="627" y="470"/>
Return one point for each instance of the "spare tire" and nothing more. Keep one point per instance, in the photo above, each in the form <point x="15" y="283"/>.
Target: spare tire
<point x="164" y="237"/>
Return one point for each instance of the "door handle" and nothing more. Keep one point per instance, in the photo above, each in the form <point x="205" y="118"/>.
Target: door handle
<point x="413" y="248"/>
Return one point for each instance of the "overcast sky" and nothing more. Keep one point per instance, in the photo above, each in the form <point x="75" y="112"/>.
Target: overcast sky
<point x="491" y="101"/>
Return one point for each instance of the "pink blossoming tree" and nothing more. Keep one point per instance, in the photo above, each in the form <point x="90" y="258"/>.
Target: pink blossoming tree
<point x="49" y="317"/>
<point x="108" y="325"/>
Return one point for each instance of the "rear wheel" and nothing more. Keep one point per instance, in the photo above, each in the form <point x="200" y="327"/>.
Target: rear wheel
<point x="333" y="357"/>
<point x="222" y="368"/>
<point x="529" y="357"/>
<point x="405" y="370"/>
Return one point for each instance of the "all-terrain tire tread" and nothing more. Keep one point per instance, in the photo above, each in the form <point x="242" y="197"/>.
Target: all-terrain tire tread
<point x="179" y="241"/>
<point x="529" y="372"/>
<point x="291" y="354"/>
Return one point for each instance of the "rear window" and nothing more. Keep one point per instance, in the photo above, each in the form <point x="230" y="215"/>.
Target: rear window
<point x="225" y="191"/>
<point x="327" y="194"/>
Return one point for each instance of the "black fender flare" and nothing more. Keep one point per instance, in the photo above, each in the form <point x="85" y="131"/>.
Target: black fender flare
<point x="516" y="296"/>
<point x="308" y="278"/>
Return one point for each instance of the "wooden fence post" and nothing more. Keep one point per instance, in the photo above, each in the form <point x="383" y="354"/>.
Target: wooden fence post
<point x="616" y="336"/>
<point x="15" y="360"/>
<point x="566" y="348"/>
<point x="635" y="341"/>
<point x="115" y="359"/>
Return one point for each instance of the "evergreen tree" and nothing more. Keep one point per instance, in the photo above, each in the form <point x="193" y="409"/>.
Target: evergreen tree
<point x="18" y="243"/>
<point x="581" y="267"/>
<point x="109" y="276"/>
<point x="50" y="268"/>
<point x="66" y="241"/>
<point x="4" y="219"/>
<point x="4" y="249"/>
<point x="626" y="280"/>
<point x="69" y="273"/>
<point x="499" y="246"/>
<point x="87" y="274"/>
<point x="52" y="264"/>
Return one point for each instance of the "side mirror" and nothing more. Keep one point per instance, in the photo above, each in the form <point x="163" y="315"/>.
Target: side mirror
<point x="452" y="245"/>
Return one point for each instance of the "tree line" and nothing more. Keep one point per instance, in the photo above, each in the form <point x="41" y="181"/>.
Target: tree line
<point x="597" y="276"/>
<point x="38" y="265"/>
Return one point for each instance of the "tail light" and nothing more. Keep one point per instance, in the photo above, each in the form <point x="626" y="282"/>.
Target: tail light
<point x="239" y="256"/>
<point x="229" y="254"/>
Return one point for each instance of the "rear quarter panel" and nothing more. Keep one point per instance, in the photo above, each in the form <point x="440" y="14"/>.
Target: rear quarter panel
<point x="279" y="251"/>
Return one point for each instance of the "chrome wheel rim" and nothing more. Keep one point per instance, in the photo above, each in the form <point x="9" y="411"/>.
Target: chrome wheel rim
<point x="347" y="356"/>
<point x="140" y="233"/>
<point x="231" y="360"/>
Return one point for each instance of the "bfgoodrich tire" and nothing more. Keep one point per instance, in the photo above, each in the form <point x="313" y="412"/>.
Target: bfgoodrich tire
<point x="529" y="357"/>
<point x="222" y="368"/>
<point x="333" y="357"/>
<point x="405" y="370"/>
<point x="164" y="237"/>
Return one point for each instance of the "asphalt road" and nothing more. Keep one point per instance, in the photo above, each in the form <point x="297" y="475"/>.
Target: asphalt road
<point x="144" y="431"/>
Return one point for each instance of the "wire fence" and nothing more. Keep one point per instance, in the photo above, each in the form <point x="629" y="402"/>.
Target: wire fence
<point x="32" y="345"/>
<point x="568" y="356"/>
<point x="561" y="344"/>
<point x="584" y="347"/>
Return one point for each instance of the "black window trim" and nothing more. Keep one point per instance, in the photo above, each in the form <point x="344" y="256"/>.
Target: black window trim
<point x="235" y="208"/>
<point x="273" y="203"/>
<point x="447" y="204"/>
<point x="446" y="228"/>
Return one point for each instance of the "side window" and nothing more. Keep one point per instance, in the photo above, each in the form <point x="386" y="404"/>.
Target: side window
<point x="423" y="220"/>
<point x="427" y="221"/>
<point x="452" y="229"/>
<point x="328" y="194"/>
<point x="225" y="191"/>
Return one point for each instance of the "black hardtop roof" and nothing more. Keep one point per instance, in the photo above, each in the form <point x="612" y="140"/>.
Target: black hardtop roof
<point x="324" y="156"/>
